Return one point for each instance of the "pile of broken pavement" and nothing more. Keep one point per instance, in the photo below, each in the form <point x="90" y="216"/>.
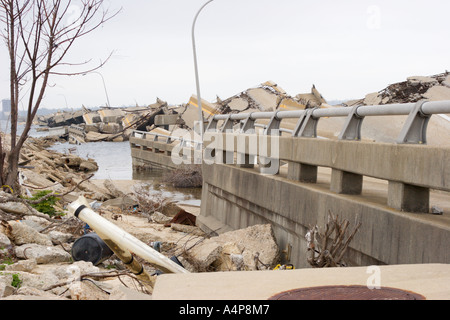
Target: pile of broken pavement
<point x="35" y="250"/>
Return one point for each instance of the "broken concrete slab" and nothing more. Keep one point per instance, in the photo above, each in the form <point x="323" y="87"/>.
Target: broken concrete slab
<point x="372" y="99"/>
<point x="446" y="82"/>
<point x="438" y="93"/>
<point x="291" y="104"/>
<point x="111" y="115"/>
<point x="21" y="234"/>
<point x="416" y="80"/>
<point x="42" y="254"/>
<point x="256" y="245"/>
<point x="265" y="100"/>
<point x="166" y="120"/>
<point x="238" y="104"/>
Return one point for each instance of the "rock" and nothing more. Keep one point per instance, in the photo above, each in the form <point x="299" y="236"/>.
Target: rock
<point x="256" y="245"/>
<point x="88" y="166"/>
<point x="22" y="265"/>
<point x="42" y="254"/>
<point x="4" y="240"/>
<point x="231" y="258"/>
<point x="86" y="290"/>
<point x="436" y="210"/>
<point x="187" y="229"/>
<point x="256" y="241"/>
<point x="116" y="193"/>
<point x="204" y="254"/>
<point x="22" y="234"/>
<point x="35" y="179"/>
<point x="75" y="269"/>
<point x="39" y="281"/>
<point x="27" y="291"/>
<point x="36" y="223"/>
<point x="121" y="292"/>
<point x="158" y="217"/>
<point x="58" y="237"/>
<point x="20" y="209"/>
<point x="121" y="202"/>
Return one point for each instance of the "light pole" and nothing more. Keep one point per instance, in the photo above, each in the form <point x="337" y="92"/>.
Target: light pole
<point x="199" y="98"/>
<point x="104" y="86"/>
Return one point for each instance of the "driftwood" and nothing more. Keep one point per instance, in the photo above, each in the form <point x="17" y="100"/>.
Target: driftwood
<point x="326" y="249"/>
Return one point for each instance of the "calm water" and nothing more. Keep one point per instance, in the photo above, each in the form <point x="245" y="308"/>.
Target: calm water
<point x="114" y="162"/>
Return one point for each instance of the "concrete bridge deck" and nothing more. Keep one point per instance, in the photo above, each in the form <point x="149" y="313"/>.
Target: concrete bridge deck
<point x="431" y="281"/>
<point x="390" y="187"/>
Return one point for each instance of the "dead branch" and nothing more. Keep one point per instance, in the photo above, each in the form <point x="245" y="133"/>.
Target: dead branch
<point x="326" y="249"/>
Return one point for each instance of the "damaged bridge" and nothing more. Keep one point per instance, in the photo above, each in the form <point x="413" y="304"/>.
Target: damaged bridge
<point x="397" y="189"/>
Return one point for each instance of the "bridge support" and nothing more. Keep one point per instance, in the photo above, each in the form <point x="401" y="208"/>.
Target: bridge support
<point x="346" y="182"/>
<point x="406" y="197"/>
<point x="302" y="172"/>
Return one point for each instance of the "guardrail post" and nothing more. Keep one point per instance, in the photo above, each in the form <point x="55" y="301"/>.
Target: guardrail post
<point x="274" y="125"/>
<point x="249" y="125"/>
<point x="415" y="128"/>
<point x="309" y="125"/>
<point x="352" y="126"/>
<point x="406" y="197"/>
<point x="212" y="125"/>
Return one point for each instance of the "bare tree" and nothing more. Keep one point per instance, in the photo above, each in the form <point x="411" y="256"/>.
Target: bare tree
<point x="39" y="34"/>
<point x="327" y="249"/>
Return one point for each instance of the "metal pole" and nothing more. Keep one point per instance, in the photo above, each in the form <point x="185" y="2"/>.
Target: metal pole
<point x="199" y="98"/>
<point x="104" y="86"/>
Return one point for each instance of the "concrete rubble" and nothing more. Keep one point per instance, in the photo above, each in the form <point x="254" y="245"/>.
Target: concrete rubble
<point x="267" y="96"/>
<point x="35" y="250"/>
<point x="104" y="124"/>
<point x="415" y="88"/>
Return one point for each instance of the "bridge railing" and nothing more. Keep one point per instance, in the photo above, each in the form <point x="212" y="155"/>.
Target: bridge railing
<point x="156" y="148"/>
<point x="414" y="130"/>
<point x="411" y="167"/>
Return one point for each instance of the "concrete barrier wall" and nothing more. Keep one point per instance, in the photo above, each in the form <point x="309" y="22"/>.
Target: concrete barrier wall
<point x="235" y="197"/>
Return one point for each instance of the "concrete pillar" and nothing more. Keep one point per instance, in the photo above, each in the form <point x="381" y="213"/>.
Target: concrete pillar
<point x="406" y="197"/>
<point x="302" y="172"/>
<point x="346" y="182"/>
<point x="245" y="160"/>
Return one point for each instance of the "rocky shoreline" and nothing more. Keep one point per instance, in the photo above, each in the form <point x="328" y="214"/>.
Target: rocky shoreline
<point x="36" y="261"/>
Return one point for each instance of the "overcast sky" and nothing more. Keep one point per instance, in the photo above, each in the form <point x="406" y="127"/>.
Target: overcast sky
<point x="346" y="48"/>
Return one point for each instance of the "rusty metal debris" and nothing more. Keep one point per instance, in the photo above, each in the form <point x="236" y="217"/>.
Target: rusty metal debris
<point x="351" y="292"/>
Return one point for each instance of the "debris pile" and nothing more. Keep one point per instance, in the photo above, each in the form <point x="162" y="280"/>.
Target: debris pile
<point x="36" y="258"/>
<point x="105" y="124"/>
<point x="414" y="89"/>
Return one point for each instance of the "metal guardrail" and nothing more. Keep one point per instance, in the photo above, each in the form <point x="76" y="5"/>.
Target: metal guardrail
<point x="169" y="139"/>
<point x="414" y="130"/>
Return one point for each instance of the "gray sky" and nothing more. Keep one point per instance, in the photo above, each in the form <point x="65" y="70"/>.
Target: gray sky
<point x="346" y="48"/>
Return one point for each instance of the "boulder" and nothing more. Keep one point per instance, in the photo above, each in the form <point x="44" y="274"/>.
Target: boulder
<point x="4" y="240"/>
<point x="58" y="237"/>
<point x="21" y="234"/>
<point x="42" y="254"/>
<point x="252" y="248"/>
<point x="22" y="265"/>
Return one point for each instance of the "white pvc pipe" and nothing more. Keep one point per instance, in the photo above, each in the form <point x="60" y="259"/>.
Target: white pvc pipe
<point x="109" y="231"/>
